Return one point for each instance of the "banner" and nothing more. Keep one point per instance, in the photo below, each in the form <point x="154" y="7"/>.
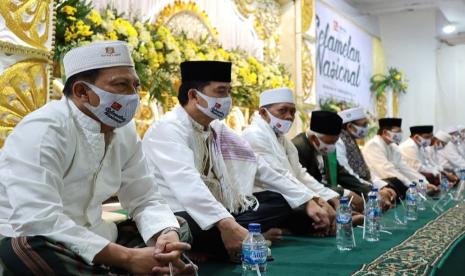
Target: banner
<point x="343" y="60"/>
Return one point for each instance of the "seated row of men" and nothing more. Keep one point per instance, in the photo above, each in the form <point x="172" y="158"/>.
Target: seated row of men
<point x="191" y="181"/>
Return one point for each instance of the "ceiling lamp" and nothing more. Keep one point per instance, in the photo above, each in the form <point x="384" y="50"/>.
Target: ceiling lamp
<point x="448" y="29"/>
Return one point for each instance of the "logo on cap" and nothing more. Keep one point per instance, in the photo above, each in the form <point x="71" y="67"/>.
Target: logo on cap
<point x="217" y="105"/>
<point x="110" y="52"/>
<point x="278" y="125"/>
<point x="116" y="106"/>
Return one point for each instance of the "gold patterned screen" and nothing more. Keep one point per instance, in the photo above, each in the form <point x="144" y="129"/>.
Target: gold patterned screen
<point x="26" y="43"/>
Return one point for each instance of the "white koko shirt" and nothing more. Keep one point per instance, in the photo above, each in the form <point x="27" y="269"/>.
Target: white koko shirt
<point x="176" y="159"/>
<point x="56" y="171"/>
<point x="386" y="161"/>
<point x="416" y="157"/>
<point x="282" y="156"/>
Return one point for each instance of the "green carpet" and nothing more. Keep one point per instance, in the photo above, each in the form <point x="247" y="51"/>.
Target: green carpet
<point x="319" y="256"/>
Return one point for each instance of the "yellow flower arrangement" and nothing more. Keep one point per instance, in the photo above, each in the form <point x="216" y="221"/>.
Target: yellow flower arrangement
<point x="95" y="18"/>
<point x="157" y="53"/>
<point x="69" y="10"/>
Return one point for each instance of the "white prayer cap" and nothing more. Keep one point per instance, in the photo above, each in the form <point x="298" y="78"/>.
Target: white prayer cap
<point x="352" y="114"/>
<point x="277" y="95"/>
<point x="443" y="136"/>
<point x="452" y="130"/>
<point x="101" y="54"/>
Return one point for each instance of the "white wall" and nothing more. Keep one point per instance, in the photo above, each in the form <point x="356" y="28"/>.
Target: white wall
<point x="409" y="44"/>
<point x="366" y="22"/>
<point x="450" y="100"/>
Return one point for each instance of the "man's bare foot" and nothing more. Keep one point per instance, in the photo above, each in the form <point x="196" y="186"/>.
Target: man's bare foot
<point x="273" y="234"/>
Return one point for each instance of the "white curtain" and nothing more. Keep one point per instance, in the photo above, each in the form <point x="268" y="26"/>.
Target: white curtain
<point x="450" y="99"/>
<point x="235" y="31"/>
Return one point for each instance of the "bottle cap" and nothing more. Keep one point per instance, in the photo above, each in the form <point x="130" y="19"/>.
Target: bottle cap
<point x="413" y="185"/>
<point x="374" y="189"/>
<point x="255" y="227"/>
<point x="421" y="180"/>
<point x="344" y="200"/>
<point x="371" y="196"/>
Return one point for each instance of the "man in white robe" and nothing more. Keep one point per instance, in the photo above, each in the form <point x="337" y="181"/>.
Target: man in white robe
<point x="414" y="154"/>
<point x="63" y="160"/>
<point x="266" y="136"/>
<point x="450" y="156"/>
<point x="438" y="143"/>
<point x="384" y="159"/>
<point x="210" y="176"/>
<point x="349" y="155"/>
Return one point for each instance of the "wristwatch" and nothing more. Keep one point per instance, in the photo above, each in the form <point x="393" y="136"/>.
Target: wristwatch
<point x="168" y="229"/>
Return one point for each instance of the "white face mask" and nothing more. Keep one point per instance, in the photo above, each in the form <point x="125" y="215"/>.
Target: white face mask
<point x="395" y="137"/>
<point x="360" y="132"/>
<point x="324" y="148"/>
<point x="217" y="108"/>
<point x="279" y="126"/>
<point x="455" y="138"/>
<point x="424" y="142"/>
<point x="115" y="110"/>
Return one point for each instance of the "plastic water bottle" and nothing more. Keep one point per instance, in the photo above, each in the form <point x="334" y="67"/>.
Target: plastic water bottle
<point x="344" y="234"/>
<point x="372" y="218"/>
<point x="254" y="252"/>
<point x="444" y="185"/>
<point x="411" y="196"/>
<point x="421" y="190"/>
<point x="375" y="191"/>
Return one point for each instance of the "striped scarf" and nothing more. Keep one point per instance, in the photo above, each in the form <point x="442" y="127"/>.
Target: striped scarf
<point x="354" y="156"/>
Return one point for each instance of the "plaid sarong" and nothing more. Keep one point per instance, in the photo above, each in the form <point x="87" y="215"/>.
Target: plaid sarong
<point x="39" y="255"/>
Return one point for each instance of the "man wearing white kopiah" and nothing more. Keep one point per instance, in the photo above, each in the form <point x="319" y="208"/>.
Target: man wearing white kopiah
<point x="440" y="139"/>
<point x="63" y="160"/>
<point x="450" y="156"/>
<point x="349" y="156"/>
<point x="413" y="152"/>
<point x="207" y="173"/>
<point x="266" y="135"/>
<point x="383" y="157"/>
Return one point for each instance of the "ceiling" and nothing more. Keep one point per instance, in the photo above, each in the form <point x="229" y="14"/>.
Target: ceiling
<point x="449" y="11"/>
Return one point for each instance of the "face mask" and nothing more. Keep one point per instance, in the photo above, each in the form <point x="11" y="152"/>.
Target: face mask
<point x="424" y="142"/>
<point x="217" y="108"/>
<point x="115" y="110"/>
<point x="395" y="137"/>
<point x="360" y="132"/>
<point x="455" y="138"/>
<point x="326" y="148"/>
<point x="279" y="126"/>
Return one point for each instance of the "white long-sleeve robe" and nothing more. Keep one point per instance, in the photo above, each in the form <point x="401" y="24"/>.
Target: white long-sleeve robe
<point x="174" y="158"/>
<point x="56" y="172"/>
<point x="433" y="158"/>
<point x="450" y="157"/>
<point x="282" y="156"/>
<point x="386" y="161"/>
<point x="341" y="154"/>
<point x="415" y="157"/>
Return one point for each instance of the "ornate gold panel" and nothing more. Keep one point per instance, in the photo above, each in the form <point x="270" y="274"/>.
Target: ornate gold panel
<point x="24" y="89"/>
<point x="186" y="16"/>
<point x="29" y="20"/>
